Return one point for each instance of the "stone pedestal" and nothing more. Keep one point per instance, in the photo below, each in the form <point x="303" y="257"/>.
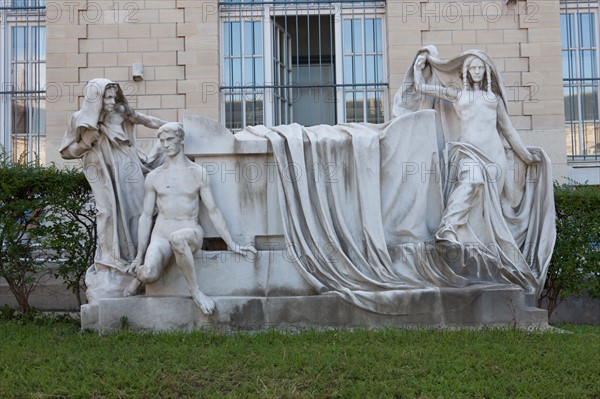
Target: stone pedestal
<point x="268" y="292"/>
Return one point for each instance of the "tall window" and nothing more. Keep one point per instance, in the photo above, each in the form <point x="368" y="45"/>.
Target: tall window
<point x="309" y="62"/>
<point x="363" y="69"/>
<point x="23" y="77"/>
<point x="242" y="71"/>
<point x="579" y="30"/>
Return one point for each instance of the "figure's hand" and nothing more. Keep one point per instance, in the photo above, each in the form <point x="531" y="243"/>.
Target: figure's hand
<point x="533" y="158"/>
<point x="420" y="62"/>
<point x="132" y="269"/>
<point x="90" y="137"/>
<point x="125" y="109"/>
<point x="243" y="249"/>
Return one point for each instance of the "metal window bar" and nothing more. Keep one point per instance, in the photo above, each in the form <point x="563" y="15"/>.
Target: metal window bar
<point x="579" y="24"/>
<point x="302" y="83"/>
<point x="22" y="73"/>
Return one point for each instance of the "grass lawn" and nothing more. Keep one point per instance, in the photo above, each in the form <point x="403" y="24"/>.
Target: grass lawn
<point x="55" y="359"/>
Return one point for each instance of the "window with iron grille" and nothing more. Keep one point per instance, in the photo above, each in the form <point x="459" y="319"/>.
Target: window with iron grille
<point x="309" y="62"/>
<point x="23" y="77"/>
<point x="579" y="34"/>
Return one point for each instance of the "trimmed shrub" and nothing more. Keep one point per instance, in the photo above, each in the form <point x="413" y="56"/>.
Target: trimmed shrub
<point x="47" y="226"/>
<point x="575" y="266"/>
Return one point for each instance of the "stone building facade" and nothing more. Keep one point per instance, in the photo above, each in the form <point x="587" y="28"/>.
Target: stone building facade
<point x="181" y="45"/>
<point x="183" y="48"/>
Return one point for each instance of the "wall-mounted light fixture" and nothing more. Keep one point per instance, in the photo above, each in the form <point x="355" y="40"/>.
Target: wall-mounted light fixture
<point x="137" y="70"/>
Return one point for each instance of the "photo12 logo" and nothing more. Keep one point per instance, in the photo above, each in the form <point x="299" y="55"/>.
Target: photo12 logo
<point x="92" y="12"/>
<point x="469" y="11"/>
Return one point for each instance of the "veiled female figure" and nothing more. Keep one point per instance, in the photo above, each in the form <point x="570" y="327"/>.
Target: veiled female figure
<point x="498" y="205"/>
<point x="101" y="134"/>
<point x="483" y="123"/>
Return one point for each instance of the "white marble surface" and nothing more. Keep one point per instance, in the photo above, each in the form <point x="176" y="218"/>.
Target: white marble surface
<point x="380" y="216"/>
<point x="169" y="226"/>
<point x="101" y="135"/>
<point x="478" y="307"/>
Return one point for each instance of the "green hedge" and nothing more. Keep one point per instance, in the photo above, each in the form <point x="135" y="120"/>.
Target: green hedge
<point x="575" y="266"/>
<point x="47" y="226"/>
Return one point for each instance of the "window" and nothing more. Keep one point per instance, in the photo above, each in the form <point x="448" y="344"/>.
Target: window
<point x="23" y="77"/>
<point x="363" y="69"/>
<point x="26" y="3"/>
<point x="242" y="72"/>
<point x="579" y="35"/>
<point x="309" y="62"/>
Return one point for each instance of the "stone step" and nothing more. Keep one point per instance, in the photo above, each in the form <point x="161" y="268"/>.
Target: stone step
<point x="487" y="307"/>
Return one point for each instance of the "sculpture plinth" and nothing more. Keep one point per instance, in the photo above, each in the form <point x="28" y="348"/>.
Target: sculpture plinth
<point x="268" y="292"/>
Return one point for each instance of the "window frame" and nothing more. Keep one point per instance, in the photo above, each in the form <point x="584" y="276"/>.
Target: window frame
<point x="367" y="87"/>
<point x="31" y="92"/>
<point x="575" y="84"/>
<point x="238" y="90"/>
<point x="266" y="12"/>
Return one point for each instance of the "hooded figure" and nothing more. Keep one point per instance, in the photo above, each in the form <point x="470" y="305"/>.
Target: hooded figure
<point x="448" y="74"/>
<point x="101" y="134"/>
<point x="498" y="196"/>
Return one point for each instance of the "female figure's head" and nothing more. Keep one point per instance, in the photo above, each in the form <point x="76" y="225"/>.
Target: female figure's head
<point x="113" y="95"/>
<point x="110" y="98"/>
<point x="101" y="96"/>
<point x="476" y="72"/>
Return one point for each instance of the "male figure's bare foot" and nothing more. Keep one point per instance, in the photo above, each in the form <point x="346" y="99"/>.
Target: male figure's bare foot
<point x="205" y="304"/>
<point x="133" y="288"/>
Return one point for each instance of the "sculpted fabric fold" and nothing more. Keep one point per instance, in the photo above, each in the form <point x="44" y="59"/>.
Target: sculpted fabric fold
<point x="372" y="233"/>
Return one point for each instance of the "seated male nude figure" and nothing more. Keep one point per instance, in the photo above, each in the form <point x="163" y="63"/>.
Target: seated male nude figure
<point x="176" y="189"/>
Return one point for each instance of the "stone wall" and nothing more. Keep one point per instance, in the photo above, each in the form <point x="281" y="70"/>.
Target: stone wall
<point x="50" y="294"/>
<point x="178" y="43"/>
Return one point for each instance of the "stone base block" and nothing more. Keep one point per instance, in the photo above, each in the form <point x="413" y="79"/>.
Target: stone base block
<point x="473" y="307"/>
<point x="223" y="273"/>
